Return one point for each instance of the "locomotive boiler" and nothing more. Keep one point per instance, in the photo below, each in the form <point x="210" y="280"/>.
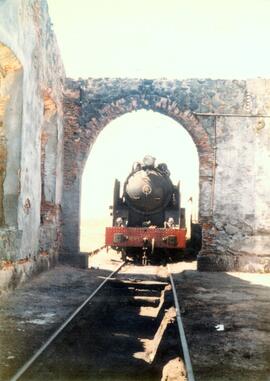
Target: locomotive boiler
<point x="147" y="217"/>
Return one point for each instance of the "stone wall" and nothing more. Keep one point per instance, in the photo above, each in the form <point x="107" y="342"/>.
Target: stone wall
<point x="229" y="124"/>
<point x="31" y="140"/>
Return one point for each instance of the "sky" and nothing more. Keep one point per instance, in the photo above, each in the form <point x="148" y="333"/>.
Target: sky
<point x="157" y="38"/>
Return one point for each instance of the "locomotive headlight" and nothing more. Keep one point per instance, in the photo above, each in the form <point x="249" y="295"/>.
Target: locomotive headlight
<point x="146" y="189"/>
<point x="149" y="161"/>
<point x="119" y="221"/>
<point x="170" y="222"/>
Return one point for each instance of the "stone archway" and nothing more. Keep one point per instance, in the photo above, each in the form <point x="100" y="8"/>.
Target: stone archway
<point x="86" y="116"/>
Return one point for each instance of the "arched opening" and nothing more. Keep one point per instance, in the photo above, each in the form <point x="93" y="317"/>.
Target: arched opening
<point x="89" y="107"/>
<point x="11" y="77"/>
<point x="125" y="140"/>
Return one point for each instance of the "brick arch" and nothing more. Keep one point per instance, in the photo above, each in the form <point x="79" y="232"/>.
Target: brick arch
<point x="11" y="78"/>
<point x="163" y="105"/>
<point x="83" y="130"/>
<point x="186" y="119"/>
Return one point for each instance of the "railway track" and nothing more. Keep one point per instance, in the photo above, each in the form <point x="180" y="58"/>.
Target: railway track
<point x="129" y="328"/>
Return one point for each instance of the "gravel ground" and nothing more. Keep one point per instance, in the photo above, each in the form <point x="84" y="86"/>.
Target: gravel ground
<point x="31" y="313"/>
<point x="226" y="316"/>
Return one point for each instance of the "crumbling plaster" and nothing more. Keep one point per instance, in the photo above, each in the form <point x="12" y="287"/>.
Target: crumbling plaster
<point x="25" y="29"/>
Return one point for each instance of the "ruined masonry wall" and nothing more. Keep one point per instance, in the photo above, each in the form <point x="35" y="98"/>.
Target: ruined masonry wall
<point x="29" y="232"/>
<point x="230" y="125"/>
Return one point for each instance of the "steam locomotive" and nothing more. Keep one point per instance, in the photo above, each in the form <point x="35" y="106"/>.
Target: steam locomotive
<point x="147" y="218"/>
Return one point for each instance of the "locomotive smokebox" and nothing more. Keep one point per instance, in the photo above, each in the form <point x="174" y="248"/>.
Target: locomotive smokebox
<point x="148" y="190"/>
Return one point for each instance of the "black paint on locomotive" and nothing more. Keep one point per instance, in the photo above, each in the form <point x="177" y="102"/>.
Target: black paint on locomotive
<point x="149" y="197"/>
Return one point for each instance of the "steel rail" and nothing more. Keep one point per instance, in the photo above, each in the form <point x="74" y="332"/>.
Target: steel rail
<point x="182" y="335"/>
<point x="26" y="366"/>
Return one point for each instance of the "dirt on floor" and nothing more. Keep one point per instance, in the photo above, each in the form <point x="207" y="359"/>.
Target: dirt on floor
<point x="32" y="312"/>
<point x="226" y="316"/>
<point x="113" y="338"/>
